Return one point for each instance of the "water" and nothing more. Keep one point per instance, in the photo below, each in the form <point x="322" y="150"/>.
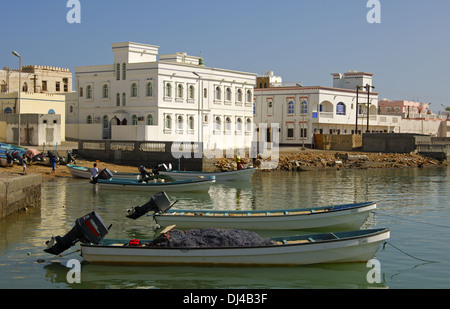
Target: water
<point x="413" y="203"/>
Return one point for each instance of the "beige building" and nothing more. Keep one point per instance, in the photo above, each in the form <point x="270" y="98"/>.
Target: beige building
<point x="36" y="79"/>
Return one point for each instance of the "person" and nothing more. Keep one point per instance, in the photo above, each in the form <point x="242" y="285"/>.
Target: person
<point x="94" y="171"/>
<point x="24" y="165"/>
<point x="9" y="157"/>
<point x="144" y="172"/>
<point x="239" y="163"/>
<point x="53" y="161"/>
<point x="70" y="158"/>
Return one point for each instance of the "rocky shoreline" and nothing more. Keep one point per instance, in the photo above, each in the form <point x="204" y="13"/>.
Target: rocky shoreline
<point x="304" y="161"/>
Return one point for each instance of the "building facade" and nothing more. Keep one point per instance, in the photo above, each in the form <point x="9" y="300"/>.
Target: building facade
<point x="144" y="96"/>
<point x="302" y="111"/>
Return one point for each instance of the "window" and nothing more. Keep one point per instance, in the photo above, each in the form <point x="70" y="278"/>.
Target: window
<point x="124" y="71"/>
<point x="191" y="92"/>
<point x="149" y="120"/>
<point x="290" y="132"/>
<point x="118" y="99"/>
<point x="149" y="91"/>
<point x="25" y="87"/>
<point x="134" y="90"/>
<point x="340" y="109"/>
<point x="44" y="85"/>
<point x="66" y="84"/>
<point x="168" y="122"/>
<point x="89" y="119"/>
<point x="89" y="92"/>
<point x="71" y="109"/>
<point x="239" y="125"/>
<point x="217" y="124"/>
<point x="124" y="99"/>
<point x="51" y="111"/>
<point x="191" y="123"/>
<point x="180" y="123"/>
<point x="218" y="93"/>
<point x="228" y="124"/>
<point x="58" y="86"/>
<point x="239" y="95"/>
<point x="118" y="72"/>
<point x="8" y="110"/>
<point x="291" y="107"/>
<point x="249" y="125"/>
<point x="180" y="91"/>
<point x="168" y="90"/>
<point x="105" y="122"/>
<point x="304" y="107"/>
<point x="134" y="120"/>
<point x="303" y="132"/>
<point x="228" y="96"/>
<point x="81" y="92"/>
<point x="205" y="93"/>
<point x="105" y="91"/>
<point x="249" y="96"/>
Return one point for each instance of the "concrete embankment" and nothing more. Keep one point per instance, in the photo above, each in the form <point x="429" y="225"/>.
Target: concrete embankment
<point x="19" y="192"/>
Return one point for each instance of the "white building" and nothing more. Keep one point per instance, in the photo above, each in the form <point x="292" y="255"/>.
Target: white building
<point x="144" y="96"/>
<point x="302" y="111"/>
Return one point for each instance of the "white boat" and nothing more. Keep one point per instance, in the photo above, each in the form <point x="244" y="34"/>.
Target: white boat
<point x="237" y="175"/>
<point x="78" y="171"/>
<point x="339" y="247"/>
<point x="332" y="218"/>
<point x="195" y="184"/>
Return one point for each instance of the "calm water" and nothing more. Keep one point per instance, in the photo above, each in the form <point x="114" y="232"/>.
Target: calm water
<point x="413" y="203"/>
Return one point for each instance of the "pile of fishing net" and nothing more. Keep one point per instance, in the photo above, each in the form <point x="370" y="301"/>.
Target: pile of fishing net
<point x="209" y="237"/>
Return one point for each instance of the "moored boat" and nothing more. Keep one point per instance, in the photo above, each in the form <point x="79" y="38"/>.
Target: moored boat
<point x="237" y="175"/>
<point x="78" y="171"/>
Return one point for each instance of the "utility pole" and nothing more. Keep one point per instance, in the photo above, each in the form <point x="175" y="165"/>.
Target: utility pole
<point x="357" y="107"/>
<point x="367" y="86"/>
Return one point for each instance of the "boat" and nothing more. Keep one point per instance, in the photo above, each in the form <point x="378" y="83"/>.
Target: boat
<point x="237" y="175"/>
<point x="195" y="184"/>
<point x="332" y="218"/>
<point x="217" y="246"/>
<point x="338" y="247"/>
<point x="78" y="171"/>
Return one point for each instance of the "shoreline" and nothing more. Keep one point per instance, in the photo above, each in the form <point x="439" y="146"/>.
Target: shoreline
<point x="289" y="160"/>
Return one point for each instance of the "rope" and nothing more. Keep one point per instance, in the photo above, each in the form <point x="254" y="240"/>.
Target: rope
<point x="415" y="221"/>
<point x="388" y="243"/>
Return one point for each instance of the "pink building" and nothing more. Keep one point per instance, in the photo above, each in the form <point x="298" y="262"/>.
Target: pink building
<point x="402" y="107"/>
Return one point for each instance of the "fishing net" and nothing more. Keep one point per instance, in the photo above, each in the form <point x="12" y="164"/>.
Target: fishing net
<point x="211" y="238"/>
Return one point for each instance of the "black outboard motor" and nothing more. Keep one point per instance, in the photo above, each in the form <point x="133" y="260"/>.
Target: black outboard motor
<point x="158" y="202"/>
<point x="87" y="229"/>
<point x="103" y="174"/>
<point x="161" y="168"/>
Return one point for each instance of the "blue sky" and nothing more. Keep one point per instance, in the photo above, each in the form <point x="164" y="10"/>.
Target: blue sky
<point x="300" y="40"/>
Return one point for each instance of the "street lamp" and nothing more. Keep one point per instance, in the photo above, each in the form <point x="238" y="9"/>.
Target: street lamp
<point x="357" y="106"/>
<point x="367" y="86"/>
<point x="200" y="118"/>
<point x="20" y="83"/>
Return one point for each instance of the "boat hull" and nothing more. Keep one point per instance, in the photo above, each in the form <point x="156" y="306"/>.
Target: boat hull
<point x="333" y="218"/>
<point x="238" y="175"/>
<point x="84" y="172"/>
<point x="197" y="185"/>
<point x="360" y="247"/>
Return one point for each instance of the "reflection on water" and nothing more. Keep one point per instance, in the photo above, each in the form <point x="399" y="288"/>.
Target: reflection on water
<point x="411" y="202"/>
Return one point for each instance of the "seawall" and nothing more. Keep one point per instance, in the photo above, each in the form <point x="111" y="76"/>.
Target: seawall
<point x="18" y="192"/>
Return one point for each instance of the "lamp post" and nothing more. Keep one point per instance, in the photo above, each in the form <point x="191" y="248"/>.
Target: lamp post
<point x="19" y="90"/>
<point x="368" y="87"/>
<point x="357" y="106"/>
<point x="200" y="125"/>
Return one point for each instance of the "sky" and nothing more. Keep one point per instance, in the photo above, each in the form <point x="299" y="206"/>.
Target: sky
<point x="300" y="40"/>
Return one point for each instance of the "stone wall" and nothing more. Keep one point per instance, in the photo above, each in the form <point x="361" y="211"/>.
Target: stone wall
<point x="18" y="192"/>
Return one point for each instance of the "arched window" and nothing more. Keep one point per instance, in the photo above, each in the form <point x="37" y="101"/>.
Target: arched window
<point x="51" y="111"/>
<point x="118" y="99"/>
<point x="71" y="109"/>
<point x="89" y="119"/>
<point x="118" y="71"/>
<point x="239" y="125"/>
<point x="81" y="92"/>
<point x="218" y="93"/>
<point x="105" y="122"/>
<point x="149" y="120"/>
<point x="8" y="110"/>
<point x="124" y="71"/>
<point x="249" y="125"/>
<point x="168" y="90"/>
<point x="180" y="91"/>
<point x="134" y="90"/>
<point x="124" y="99"/>
<point x="149" y="91"/>
<point x="340" y="109"/>
<point x="218" y="124"/>
<point x="180" y="123"/>
<point x="191" y="92"/>
<point x="191" y="123"/>
<point x="134" y="120"/>
<point x="304" y="107"/>
<point x="105" y="91"/>
<point x="228" y="124"/>
<point x="228" y="96"/>
<point x="89" y="92"/>
<point x="205" y="93"/>
<point x="25" y="87"/>
<point x="168" y="122"/>
<point x="239" y="95"/>
<point x="291" y="107"/>
<point x="249" y="96"/>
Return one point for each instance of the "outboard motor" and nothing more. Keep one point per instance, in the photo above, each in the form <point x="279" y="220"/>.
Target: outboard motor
<point x="87" y="229"/>
<point x="161" y="168"/>
<point x="158" y="203"/>
<point x="103" y="174"/>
